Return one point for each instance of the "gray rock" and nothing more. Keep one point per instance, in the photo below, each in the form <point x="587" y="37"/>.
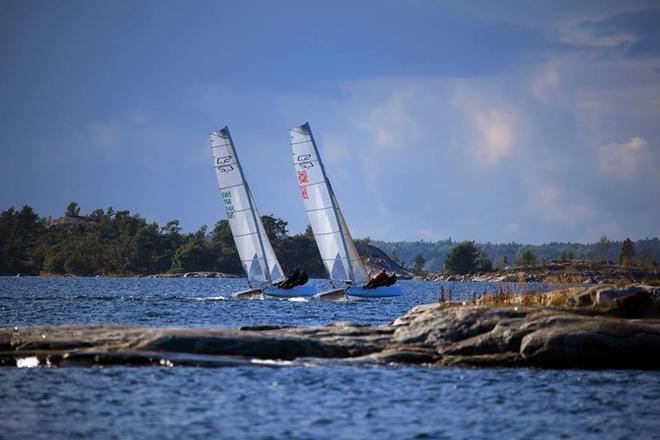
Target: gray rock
<point x="607" y="297"/>
<point x="434" y="334"/>
<point x="584" y="299"/>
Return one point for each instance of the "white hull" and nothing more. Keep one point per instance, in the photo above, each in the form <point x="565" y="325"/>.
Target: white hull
<point x="247" y="294"/>
<point x="331" y="295"/>
<point x="298" y="291"/>
<point x="378" y="292"/>
<point x="360" y="292"/>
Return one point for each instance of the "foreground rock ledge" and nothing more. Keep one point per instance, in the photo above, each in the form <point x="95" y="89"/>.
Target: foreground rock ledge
<point x="434" y="334"/>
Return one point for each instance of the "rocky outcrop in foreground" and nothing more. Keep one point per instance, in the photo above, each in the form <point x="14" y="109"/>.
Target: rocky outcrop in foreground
<point x="579" y="335"/>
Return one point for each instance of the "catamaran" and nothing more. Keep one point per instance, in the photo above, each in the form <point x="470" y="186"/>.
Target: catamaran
<point x="258" y="259"/>
<point x="346" y="271"/>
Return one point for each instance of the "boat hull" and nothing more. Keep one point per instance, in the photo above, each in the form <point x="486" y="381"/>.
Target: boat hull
<point x="247" y="294"/>
<point x="378" y="292"/>
<point x="331" y="295"/>
<point x="295" y="292"/>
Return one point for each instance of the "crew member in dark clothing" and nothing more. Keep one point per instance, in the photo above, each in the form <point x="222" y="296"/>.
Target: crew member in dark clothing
<point x="391" y="280"/>
<point x="293" y="279"/>
<point x="377" y="280"/>
<point x="303" y="278"/>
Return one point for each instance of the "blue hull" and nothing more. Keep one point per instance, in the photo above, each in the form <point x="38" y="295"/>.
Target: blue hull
<point x="378" y="292"/>
<point x="298" y="291"/>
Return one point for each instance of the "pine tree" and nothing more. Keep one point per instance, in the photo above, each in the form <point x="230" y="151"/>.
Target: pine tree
<point x="627" y="252"/>
<point x="72" y="210"/>
<point x="419" y="263"/>
<point x="463" y="258"/>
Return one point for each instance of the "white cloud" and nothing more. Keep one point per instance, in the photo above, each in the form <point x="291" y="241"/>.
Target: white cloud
<point x="546" y="82"/>
<point x="555" y="204"/>
<point x="492" y="123"/>
<point x="497" y="135"/>
<point x="581" y="36"/>
<point x="541" y="135"/>
<point x="389" y="123"/>
<point x="624" y="159"/>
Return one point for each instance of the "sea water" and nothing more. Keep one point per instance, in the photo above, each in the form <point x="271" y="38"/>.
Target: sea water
<point x="333" y="402"/>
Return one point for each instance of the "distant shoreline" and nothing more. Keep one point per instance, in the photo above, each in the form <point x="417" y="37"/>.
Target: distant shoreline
<point x="559" y="272"/>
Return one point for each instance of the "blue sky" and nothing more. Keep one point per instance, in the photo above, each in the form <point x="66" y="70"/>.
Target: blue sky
<point x="495" y="121"/>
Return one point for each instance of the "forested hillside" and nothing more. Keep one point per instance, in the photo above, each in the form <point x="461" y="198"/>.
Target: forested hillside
<point x="434" y="253"/>
<point x="109" y="242"/>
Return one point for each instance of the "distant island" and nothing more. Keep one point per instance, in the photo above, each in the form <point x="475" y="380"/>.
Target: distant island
<point x="120" y="243"/>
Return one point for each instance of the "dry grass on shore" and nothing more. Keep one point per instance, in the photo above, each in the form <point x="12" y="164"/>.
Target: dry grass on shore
<point x="556" y="298"/>
<point x="506" y="297"/>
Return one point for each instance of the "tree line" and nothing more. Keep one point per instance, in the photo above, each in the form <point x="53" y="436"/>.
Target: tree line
<point x="466" y="257"/>
<point x="109" y="242"/>
<point x="434" y="254"/>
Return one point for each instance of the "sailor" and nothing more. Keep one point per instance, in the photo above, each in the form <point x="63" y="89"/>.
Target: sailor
<point x="391" y="280"/>
<point x="292" y="278"/>
<point x="302" y="279"/>
<point x="377" y="280"/>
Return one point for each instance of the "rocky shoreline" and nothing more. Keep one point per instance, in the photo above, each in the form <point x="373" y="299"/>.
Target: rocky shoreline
<point x="603" y="327"/>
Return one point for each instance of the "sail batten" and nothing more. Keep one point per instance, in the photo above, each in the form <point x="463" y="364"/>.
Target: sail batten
<point x="333" y="239"/>
<point x="255" y="251"/>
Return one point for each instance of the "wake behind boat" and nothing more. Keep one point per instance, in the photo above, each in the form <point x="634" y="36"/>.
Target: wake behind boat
<point x="263" y="270"/>
<point x="340" y="257"/>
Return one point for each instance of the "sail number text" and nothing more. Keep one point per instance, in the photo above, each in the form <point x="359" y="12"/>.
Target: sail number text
<point x="229" y="205"/>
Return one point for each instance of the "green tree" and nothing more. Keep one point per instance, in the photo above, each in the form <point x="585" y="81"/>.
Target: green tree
<point x="172" y="227"/>
<point x="19" y="239"/>
<point x="275" y="228"/>
<point x="603" y="247"/>
<point x="463" y="258"/>
<point x="419" y="263"/>
<point x="191" y="256"/>
<point x="144" y="250"/>
<point x="567" y="255"/>
<point x="394" y="256"/>
<point x="365" y="240"/>
<point x="484" y="264"/>
<point x="72" y="210"/>
<point x="502" y="262"/>
<point x="646" y="260"/>
<point x="300" y="251"/>
<point x="224" y="249"/>
<point x="627" y="253"/>
<point x="526" y="258"/>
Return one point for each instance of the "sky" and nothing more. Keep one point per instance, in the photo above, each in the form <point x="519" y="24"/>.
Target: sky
<point x="491" y="121"/>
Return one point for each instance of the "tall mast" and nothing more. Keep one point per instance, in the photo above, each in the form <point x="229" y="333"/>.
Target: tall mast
<point x="266" y="270"/>
<point x="333" y="202"/>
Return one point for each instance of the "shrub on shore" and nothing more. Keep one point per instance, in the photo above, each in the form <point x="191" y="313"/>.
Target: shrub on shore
<point x="463" y="259"/>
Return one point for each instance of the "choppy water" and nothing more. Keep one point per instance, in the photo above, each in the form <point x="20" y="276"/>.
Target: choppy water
<point x="196" y="302"/>
<point x="307" y="403"/>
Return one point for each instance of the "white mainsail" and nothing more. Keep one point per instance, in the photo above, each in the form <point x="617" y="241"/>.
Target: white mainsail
<point x="333" y="239"/>
<point x="254" y="248"/>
